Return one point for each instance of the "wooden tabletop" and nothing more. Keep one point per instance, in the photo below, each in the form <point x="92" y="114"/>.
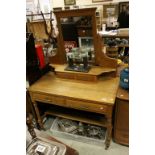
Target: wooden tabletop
<point x="122" y="94"/>
<point x="103" y="91"/>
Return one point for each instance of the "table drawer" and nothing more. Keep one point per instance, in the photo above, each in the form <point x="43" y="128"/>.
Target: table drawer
<point x="81" y="105"/>
<point x="58" y="100"/>
<point x="49" y="99"/>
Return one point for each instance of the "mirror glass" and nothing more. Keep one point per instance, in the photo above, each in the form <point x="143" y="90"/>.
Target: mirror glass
<point x="77" y="35"/>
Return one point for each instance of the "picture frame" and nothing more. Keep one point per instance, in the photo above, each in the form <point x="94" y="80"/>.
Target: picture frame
<point x="110" y="10"/>
<point x="96" y="1"/>
<point x="121" y="5"/>
<point x="70" y="2"/>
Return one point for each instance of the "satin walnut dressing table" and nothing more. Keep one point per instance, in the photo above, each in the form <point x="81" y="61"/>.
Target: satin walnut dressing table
<point x="96" y="97"/>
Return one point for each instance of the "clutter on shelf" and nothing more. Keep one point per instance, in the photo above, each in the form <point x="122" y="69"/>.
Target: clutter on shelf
<point x="76" y="129"/>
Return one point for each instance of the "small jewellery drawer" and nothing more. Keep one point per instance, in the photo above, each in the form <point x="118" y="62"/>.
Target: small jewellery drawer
<point x="49" y="99"/>
<point x="81" y="105"/>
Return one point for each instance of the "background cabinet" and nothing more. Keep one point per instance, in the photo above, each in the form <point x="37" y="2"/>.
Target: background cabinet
<point x="121" y="123"/>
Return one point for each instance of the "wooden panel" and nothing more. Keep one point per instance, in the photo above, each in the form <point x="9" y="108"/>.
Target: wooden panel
<point x="122" y="137"/>
<point x="65" y="75"/>
<point x="41" y="97"/>
<point x="121" y="126"/>
<point x="95" y="70"/>
<point x="92" y="75"/>
<point x="86" y="77"/>
<point x="79" y="76"/>
<point x="86" y="106"/>
<point x="122" y="115"/>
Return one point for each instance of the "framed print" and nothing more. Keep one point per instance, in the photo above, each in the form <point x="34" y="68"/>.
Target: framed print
<point x="110" y="10"/>
<point x="123" y="4"/>
<point x="69" y="2"/>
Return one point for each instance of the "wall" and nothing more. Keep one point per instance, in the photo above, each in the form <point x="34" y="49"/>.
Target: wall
<point x="88" y="3"/>
<point x="50" y="4"/>
<point x="60" y="3"/>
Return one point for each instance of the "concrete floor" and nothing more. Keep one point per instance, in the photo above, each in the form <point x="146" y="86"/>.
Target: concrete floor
<point x="84" y="148"/>
<point x="89" y="149"/>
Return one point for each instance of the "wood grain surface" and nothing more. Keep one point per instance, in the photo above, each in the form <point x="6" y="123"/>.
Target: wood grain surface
<point x="103" y="91"/>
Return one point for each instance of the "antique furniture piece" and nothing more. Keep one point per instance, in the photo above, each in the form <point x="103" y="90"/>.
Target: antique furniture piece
<point x="93" y="97"/>
<point x="86" y="97"/>
<point x="121" y="124"/>
<point x="40" y="135"/>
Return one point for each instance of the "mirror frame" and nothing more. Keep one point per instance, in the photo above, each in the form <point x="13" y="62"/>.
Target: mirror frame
<point x="60" y="57"/>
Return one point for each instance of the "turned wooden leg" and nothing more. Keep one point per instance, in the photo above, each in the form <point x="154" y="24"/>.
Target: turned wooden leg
<point x="38" y="115"/>
<point x="30" y="107"/>
<point x="30" y="126"/>
<point x="109" y="133"/>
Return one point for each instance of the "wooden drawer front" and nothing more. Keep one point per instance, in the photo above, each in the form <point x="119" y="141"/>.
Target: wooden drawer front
<point x="65" y="75"/>
<point x="49" y="99"/>
<point x="76" y="76"/>
<point x="85" y="77"/>
<point x="81" y="105"/>
<point x="41" y="97"/>
<point x="58" y="100"/>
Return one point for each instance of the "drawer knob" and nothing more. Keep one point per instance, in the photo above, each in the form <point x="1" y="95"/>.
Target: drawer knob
<point x="48" y="99"/>
<point x="101" y="108"/>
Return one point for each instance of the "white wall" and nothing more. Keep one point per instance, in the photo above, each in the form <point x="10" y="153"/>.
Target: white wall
<point x="50" y="4"/>
<point x="86" y="3"/>
<point x="60" y="3"/>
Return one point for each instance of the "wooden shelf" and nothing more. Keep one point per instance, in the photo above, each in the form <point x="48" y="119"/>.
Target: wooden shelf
<point x="93" y="75"/>
<point x="116" y="36"/>
<point x="83" y="116"/>
<point x="119" y="45"/>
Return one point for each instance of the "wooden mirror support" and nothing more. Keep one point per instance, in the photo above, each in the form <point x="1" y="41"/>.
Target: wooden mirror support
<point x="102" y="59"/>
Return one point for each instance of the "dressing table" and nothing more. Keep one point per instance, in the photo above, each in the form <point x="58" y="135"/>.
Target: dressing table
<point x="86" y="97"/>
